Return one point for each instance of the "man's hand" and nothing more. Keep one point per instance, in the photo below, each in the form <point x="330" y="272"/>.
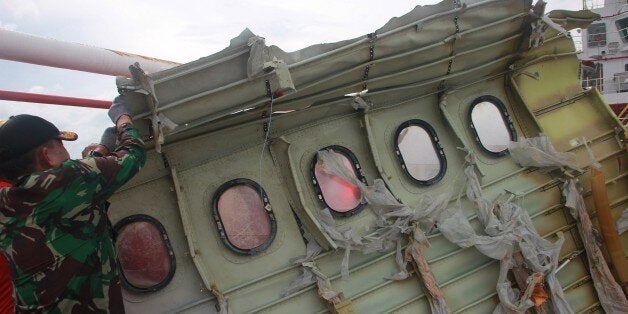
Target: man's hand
<point x="107" y="144"/>
<point x="118" y="109"/>
<point x="109" y="138"/>
<point x="122" y="120"/>
<point x="95" y="150"/>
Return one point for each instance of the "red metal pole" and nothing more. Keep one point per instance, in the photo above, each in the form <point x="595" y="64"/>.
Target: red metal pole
<point x="54" y="100"/>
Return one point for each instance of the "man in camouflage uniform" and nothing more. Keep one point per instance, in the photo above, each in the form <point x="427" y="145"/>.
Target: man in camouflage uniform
<point x="54" y="228"/>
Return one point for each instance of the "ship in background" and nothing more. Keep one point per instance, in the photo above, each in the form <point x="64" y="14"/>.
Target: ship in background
<point x="605" y="53"/>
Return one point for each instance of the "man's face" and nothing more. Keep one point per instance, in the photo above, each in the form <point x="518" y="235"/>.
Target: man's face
<point x="57" y="153"/>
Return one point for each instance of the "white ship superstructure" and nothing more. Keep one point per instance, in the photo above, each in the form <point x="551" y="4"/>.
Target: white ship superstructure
<point x="605" y="52"/>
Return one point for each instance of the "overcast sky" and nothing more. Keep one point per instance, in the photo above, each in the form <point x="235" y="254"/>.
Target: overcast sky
<point x="180" y="31"/>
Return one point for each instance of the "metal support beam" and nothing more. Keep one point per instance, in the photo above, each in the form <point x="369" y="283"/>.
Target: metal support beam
<point x="54" y="100"/>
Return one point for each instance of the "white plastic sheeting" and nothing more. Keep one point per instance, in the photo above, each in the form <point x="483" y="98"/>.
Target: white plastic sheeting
<point x="609" y="292"/>
<point x="222" y="304"/>
<point x="346" y="239"/>
<point x="394" y="221"/>
<point x="310" y="273"/>
<point x="622" y="223"/>
<point x="507" y="227"/>
<point x="539" y="152"/>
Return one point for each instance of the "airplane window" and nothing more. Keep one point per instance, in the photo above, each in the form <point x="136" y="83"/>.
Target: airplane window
<point x="419" y="152"/>
<point x="341" y="197"/>
<point x="244" y="217"/>
<point x="491" y="125"/>
<point x="144" y="253"/>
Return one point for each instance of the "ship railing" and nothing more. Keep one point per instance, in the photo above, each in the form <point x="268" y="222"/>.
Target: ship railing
<point x="619" y="84"/>
<point x="576" y="36"/>
<point x="596" y="4"/>
<point x="623" y="115"/>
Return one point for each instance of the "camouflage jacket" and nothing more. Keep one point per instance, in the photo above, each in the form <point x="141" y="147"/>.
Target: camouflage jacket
<point x="57" y="237"/>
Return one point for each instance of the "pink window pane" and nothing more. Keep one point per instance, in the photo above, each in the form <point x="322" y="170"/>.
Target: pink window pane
<point x="340" y="195"/>
<point x="144" y="258"/>
<point x="244" y="217"/>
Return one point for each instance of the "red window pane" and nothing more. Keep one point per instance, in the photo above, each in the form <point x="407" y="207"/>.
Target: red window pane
<point x="144" y="258"/>
<point x="340" y="195"/>
<point x="244" y="217"/>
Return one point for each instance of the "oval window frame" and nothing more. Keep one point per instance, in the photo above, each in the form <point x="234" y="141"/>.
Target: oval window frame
<point x="505" y="117"/>
<point x="357" y="169"/>
<point x="267" y="209"/>
<point x="166" y="242"/>
<point x="435" y="143"/>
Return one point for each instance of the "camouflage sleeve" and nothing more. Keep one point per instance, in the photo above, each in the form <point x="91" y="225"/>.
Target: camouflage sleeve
<point x="124" y="162"/>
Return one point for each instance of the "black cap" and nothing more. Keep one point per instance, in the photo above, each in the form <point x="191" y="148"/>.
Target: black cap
<point x="22" y="133"/>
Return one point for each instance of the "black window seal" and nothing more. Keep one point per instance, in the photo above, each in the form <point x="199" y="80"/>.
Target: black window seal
<point x="435" y="143"/>
<point x="505" y="116"/>
<point x="623" y="32"/>
<point x="166" y="242"/>
<point x="267" y="209"/>
<point x="357" y="169"/>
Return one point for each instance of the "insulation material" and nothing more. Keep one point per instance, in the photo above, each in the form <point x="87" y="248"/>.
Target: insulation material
<point x="339" y="195"/>
<point x="507" y="227"/>
<point x="347" y="239"/>
<point x="592" y="160"/>
<point x="622" y="223"/>
<point x="305" y="278"/>
<point x="394" y="218"/>
<point x="394" y="221"/>
<point x="222" y="304"/>
<point x="609" y="292"/>
<point x="310" y="273"/>
<point x="539" y="152"/>
<point x="457" y="229"/>
<point x="509" y="297"/>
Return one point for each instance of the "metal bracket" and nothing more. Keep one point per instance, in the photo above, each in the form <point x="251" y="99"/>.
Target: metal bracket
<point x="419" y="26"/>
<point x="147" y="88"/>
<point x="283" y="77"/>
